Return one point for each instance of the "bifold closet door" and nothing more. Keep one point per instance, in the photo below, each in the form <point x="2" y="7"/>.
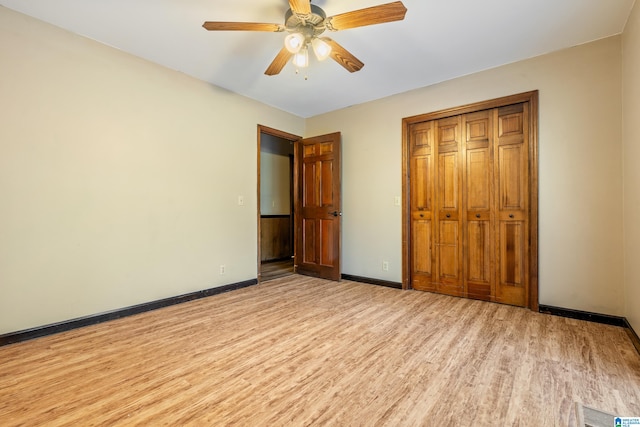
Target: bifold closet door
<point x="469" y="205"/>
<point x="436" y="226"/>
<point x="421" y="148"/>
<point x="448" y="206"/>
<point x="511" y="170"/>
<point x="478" y="201"/>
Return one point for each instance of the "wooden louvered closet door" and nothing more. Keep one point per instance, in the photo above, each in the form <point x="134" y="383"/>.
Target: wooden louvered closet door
<point x="469" y="213"/>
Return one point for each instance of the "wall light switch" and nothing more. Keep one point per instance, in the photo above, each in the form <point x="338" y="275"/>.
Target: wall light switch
<point x="397" y="201"/>
<point x="241" y="200"/>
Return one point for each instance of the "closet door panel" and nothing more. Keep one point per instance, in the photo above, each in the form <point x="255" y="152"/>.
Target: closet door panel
<point x="472" y="220"/>
<point x="478" y="184"/>
<point x="512" y="204"/>
<point x="422" y="188"/>
<point x="448" y="224"/>
<point x="422" y="247"/>
<point x="448" y="180"/>
<point x="512" y="253"/>
<point x="448" y="244"/>
<point x="448" y="138"/>
<point x="478" y="280"/>
<point x="478" y="260"/>
<point x="512" y="166"/>
<point x="422" y="180"/>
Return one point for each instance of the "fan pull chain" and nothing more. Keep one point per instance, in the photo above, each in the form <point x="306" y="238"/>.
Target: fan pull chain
<point x="306" y="77"/>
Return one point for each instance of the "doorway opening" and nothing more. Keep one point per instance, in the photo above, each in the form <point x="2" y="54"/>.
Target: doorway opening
<point x="276" y="230"/>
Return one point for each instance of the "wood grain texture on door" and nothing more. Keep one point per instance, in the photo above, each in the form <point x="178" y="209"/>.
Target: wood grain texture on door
<point x="422" y="207"/>
<point x="512" y="177"/>
<point x="448" y="205"/>
<point x="471" y="219"/>
<point x="317" y="207"/>
<point x="478" y="153"/>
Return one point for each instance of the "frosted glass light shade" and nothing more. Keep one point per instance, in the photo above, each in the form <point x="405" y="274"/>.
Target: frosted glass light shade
<point x="301" y="59"/>
<point x="321" y="49"/>
<point x="294" y="42"/>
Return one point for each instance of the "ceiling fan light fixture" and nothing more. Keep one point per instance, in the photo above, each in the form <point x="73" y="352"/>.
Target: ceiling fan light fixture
<point x="294" y="42"/>
<point x="321" y="48"/>
<point x="301" y="59"/>
<point x="305" y="22"/>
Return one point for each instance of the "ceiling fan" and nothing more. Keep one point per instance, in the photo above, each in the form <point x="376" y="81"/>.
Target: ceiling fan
<point x="305" y="23"/>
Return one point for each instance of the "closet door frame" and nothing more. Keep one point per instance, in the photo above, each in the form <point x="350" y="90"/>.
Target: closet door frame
<point x="532" y="99"/>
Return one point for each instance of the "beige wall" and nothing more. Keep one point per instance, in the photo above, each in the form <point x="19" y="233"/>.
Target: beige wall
<point x="631" y="147"/>
<point x="275" y="184"/>
<point x="580" y="194"/>
<point x="118" y="178"/>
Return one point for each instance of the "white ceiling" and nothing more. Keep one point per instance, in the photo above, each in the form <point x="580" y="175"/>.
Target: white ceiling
<point x="438" y="40"/>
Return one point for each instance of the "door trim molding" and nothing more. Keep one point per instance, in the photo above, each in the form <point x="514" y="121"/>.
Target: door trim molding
<point x="532" y="99"/>
<point x="278" y="134"/>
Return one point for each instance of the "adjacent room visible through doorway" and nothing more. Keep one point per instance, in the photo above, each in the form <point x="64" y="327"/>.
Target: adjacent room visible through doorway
<point x="276" y="226"/>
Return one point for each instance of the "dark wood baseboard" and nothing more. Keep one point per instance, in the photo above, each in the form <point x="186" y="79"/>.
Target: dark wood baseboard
<point x="583" y="315"/>
<point x="27" y="334"/>
<point x="594" y="317"/>
<point x="80" y="322"/>
<point x="635" y="339"/>
<point x="378" y="282"/>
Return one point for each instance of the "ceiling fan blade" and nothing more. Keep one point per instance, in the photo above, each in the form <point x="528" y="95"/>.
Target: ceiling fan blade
<point x="242" y="26"/>
<point x="372" y="15"/>
<point x="278" y="62"/>
<point x="343" y="57"/>
<point x="301" y="7"/>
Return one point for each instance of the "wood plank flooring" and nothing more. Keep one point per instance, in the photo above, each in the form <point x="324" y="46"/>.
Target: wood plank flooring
<point x="298" y="351"/>
<point x="275" y="269"/>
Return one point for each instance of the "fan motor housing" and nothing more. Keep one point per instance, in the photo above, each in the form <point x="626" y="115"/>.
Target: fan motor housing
<point x="310" y="25"/>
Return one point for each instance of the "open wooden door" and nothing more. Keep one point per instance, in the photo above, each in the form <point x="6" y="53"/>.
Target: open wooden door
<point x="317" y="206"/>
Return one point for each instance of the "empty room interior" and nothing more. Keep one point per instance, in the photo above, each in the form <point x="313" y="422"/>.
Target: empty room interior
<point x="438" y="224"/>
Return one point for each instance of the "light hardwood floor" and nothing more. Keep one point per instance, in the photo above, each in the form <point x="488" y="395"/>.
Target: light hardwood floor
<point x="276" y="269"/>
<point x="300" y="351"/>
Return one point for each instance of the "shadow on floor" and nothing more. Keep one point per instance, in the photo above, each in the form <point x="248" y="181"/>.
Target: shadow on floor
<point x="275" y="269"/>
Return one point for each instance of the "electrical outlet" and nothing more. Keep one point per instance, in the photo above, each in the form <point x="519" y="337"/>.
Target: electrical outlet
<point x="223" y="269"/>
<point x="385" y="265"/>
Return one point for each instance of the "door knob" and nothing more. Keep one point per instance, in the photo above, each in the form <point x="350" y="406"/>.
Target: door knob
<point x="448" y="215"/>
<point x="477" y="215"/>
<point x="336" y="213"/>
<point x="511" y="215"/>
